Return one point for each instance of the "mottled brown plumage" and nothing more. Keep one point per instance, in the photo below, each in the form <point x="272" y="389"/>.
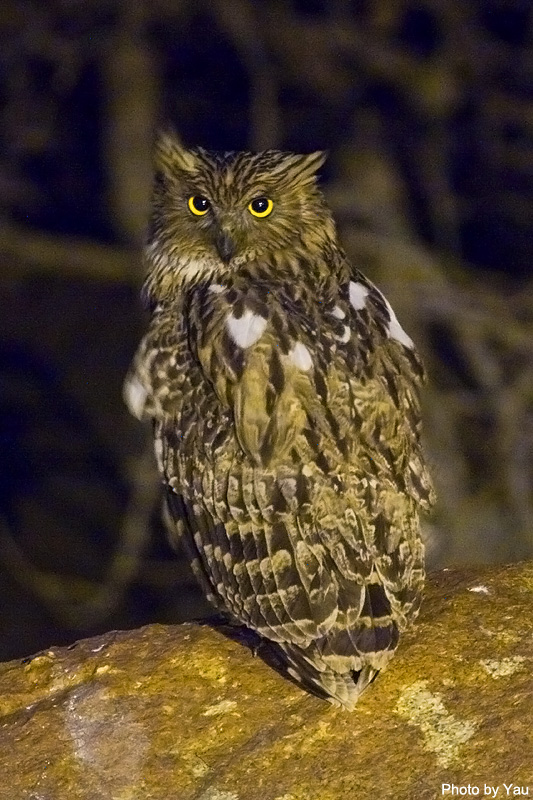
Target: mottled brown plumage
<point x="284" y="396"/>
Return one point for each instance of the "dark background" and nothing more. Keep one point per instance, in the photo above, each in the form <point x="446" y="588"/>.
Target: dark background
<point x="426" y="110"/>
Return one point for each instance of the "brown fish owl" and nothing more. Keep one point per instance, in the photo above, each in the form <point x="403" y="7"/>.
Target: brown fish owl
<point x="284" y="397"/>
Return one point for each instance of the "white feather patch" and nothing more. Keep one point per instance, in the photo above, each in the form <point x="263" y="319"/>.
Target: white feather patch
<point x="301" y="357"/>
<point x="215" y="288"/>
<point x="358" y="295"/>
<point x="338" y="312"/>
<point x="346" y="335"/>
<point x="135" y="397"/>
<point x="247" y="330"/>
<point x="395" y="329"/>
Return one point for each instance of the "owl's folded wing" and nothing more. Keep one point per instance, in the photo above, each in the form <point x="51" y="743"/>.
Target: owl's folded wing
<point x="270" y="392"/>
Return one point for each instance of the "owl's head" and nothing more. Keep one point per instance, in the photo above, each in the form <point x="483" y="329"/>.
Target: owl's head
<point x="215" y="212"/>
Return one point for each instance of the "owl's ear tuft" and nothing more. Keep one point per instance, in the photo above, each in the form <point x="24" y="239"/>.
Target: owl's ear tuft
<point x="301" y="169"/>
<point x="169" y="153"/>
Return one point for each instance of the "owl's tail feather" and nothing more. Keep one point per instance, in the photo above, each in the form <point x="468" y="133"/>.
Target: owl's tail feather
<point x="339" y="688"/>
<point x="339" y="665"/>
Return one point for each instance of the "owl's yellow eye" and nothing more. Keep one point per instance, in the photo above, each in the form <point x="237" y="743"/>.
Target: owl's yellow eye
<point x="261" y="207"/>
<point x="199" y="205"/>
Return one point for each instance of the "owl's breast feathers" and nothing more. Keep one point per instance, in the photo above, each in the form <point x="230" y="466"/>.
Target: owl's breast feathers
<point x="288" y="432"/>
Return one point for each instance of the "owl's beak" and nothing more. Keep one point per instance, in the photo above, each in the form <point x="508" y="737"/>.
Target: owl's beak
<point x="225" y="246"/>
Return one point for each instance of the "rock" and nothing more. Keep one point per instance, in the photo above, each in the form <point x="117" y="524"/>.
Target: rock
<point x="186" y="713"/>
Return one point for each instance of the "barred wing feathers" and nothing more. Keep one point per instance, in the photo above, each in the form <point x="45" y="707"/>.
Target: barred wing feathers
<point x="288" y="434"/>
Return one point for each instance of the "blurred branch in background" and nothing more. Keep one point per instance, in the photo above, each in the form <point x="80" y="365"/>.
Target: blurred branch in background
<point x="424" y="107"/>
<point x="28" y="252"/>
<point x="131" y="87"/>
<point x="244" y="24"/>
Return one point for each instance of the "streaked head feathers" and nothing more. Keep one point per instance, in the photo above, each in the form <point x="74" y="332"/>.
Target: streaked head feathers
<point x="215" y="212"/>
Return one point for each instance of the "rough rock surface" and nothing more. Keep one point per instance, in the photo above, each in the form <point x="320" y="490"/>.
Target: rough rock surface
<point x="186" y="713"/>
